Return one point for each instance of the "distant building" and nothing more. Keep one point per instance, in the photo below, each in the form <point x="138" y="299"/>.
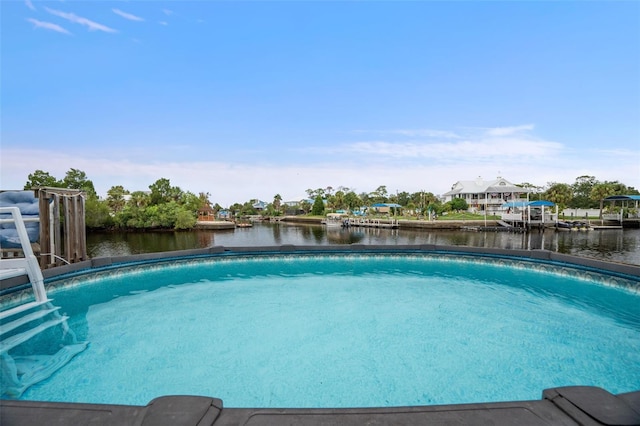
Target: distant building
<point x="296" y="207"/>
<point x="297" y="203"/>
<point x="259" y="205"/>
<point x="206" y="213"/>
<point x="487" y="196"/>
<point x="385" y="208"/>
<point x="224" y="214"/>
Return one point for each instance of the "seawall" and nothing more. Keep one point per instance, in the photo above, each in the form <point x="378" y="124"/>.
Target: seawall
<point x="407" y="224"/>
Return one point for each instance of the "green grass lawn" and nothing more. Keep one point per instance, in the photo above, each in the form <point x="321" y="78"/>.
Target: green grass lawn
<point x="466" y="216"/>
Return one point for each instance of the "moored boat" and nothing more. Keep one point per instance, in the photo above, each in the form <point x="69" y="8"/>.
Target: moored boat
<point x="334" y="220"/>
<point x="575" y="225"/>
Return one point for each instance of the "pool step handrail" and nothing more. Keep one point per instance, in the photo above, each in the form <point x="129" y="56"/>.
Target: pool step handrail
<point x="27" y="265"/>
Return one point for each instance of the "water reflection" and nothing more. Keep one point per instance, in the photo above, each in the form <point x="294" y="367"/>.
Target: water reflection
<point x="343" y="236"/>
<point x="613" y="245"/>
<point x="277" y="235"/>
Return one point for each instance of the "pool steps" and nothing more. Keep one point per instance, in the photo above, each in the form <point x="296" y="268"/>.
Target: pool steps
<point x="7" y="327"/>
<point x="21" y="308"/>
<point x="26" y="323"/>
<point x="11" y="342"/>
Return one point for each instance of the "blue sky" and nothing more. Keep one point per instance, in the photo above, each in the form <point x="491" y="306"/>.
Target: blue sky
<point x="246" y="99"/>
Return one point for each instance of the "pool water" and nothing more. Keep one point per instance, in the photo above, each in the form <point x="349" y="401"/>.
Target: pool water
<point x="343" y="331"/>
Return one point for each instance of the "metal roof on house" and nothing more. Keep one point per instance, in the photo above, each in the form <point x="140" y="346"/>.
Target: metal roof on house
<point x="480" y="186"/>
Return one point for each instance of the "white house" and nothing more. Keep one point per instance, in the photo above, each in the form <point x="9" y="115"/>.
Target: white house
<point x="487" y="196"/>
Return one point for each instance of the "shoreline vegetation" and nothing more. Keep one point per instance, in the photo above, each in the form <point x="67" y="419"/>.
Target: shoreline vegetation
<point x="167" y="207"/>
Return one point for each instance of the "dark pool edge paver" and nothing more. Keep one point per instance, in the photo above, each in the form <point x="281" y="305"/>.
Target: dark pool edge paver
<point x="584" y="405"/>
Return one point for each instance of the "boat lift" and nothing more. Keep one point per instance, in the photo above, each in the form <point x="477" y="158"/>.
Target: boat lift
<point x="520" y="214"/>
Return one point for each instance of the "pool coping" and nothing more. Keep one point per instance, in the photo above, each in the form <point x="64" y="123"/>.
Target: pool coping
<point x="623" y="270"/>
<point x="584" y="405"/>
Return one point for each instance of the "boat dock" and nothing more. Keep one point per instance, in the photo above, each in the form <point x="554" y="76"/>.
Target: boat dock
<point x="501" y="227"/>
<point x="371" y="223"/>
<point x="215" y="224"/>
<point x="605" y="227"/>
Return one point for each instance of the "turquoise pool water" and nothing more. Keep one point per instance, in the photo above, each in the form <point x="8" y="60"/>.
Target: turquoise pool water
<point x="344" y="331"/>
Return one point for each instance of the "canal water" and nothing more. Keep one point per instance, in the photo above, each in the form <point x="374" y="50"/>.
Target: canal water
<point x="611" y="245"/>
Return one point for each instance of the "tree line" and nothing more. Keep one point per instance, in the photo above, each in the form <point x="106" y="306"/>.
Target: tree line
<point x="169" y="207"/>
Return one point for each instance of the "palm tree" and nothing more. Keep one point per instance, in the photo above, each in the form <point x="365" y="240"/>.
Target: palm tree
<point x="115" y="198"/>
<point x="559" y="193"/>
<point x="535" y="190"/>
<point x="601" y="191"/>
<point x="352" y="200"/>
<point x="379" y="195"/>
<point x="305" y="206"/>
<point x="338" y="200"/>
<point x="204" y="199"/>
<point x="139" y="199"/>
<point x="277" y="202"/>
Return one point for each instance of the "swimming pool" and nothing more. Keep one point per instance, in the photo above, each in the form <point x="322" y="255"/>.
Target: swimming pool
<point x="344" y="329"/>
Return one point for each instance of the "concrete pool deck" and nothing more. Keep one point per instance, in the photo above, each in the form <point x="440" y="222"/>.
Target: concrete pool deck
<point x="583" y="405"/>
<point x="576" y="405"/>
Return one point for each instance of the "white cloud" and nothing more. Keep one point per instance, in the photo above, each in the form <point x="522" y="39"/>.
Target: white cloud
<point x="230" y="182"/>
<point x="29" y="4"/>
<point x="128" y="16"/>
<point x="48" y="26"/>
<point x="444" y="147"/>
<point x="411" y="166"/>
<point x="93" y="26"/>
<point x="467" y="151"/>
<point x="167" y="12"/>
<point x="165" y="23"/>
<point x="505" y="131"/>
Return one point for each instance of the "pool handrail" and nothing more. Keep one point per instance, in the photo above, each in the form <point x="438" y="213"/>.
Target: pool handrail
<point x="27" y="265"/>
